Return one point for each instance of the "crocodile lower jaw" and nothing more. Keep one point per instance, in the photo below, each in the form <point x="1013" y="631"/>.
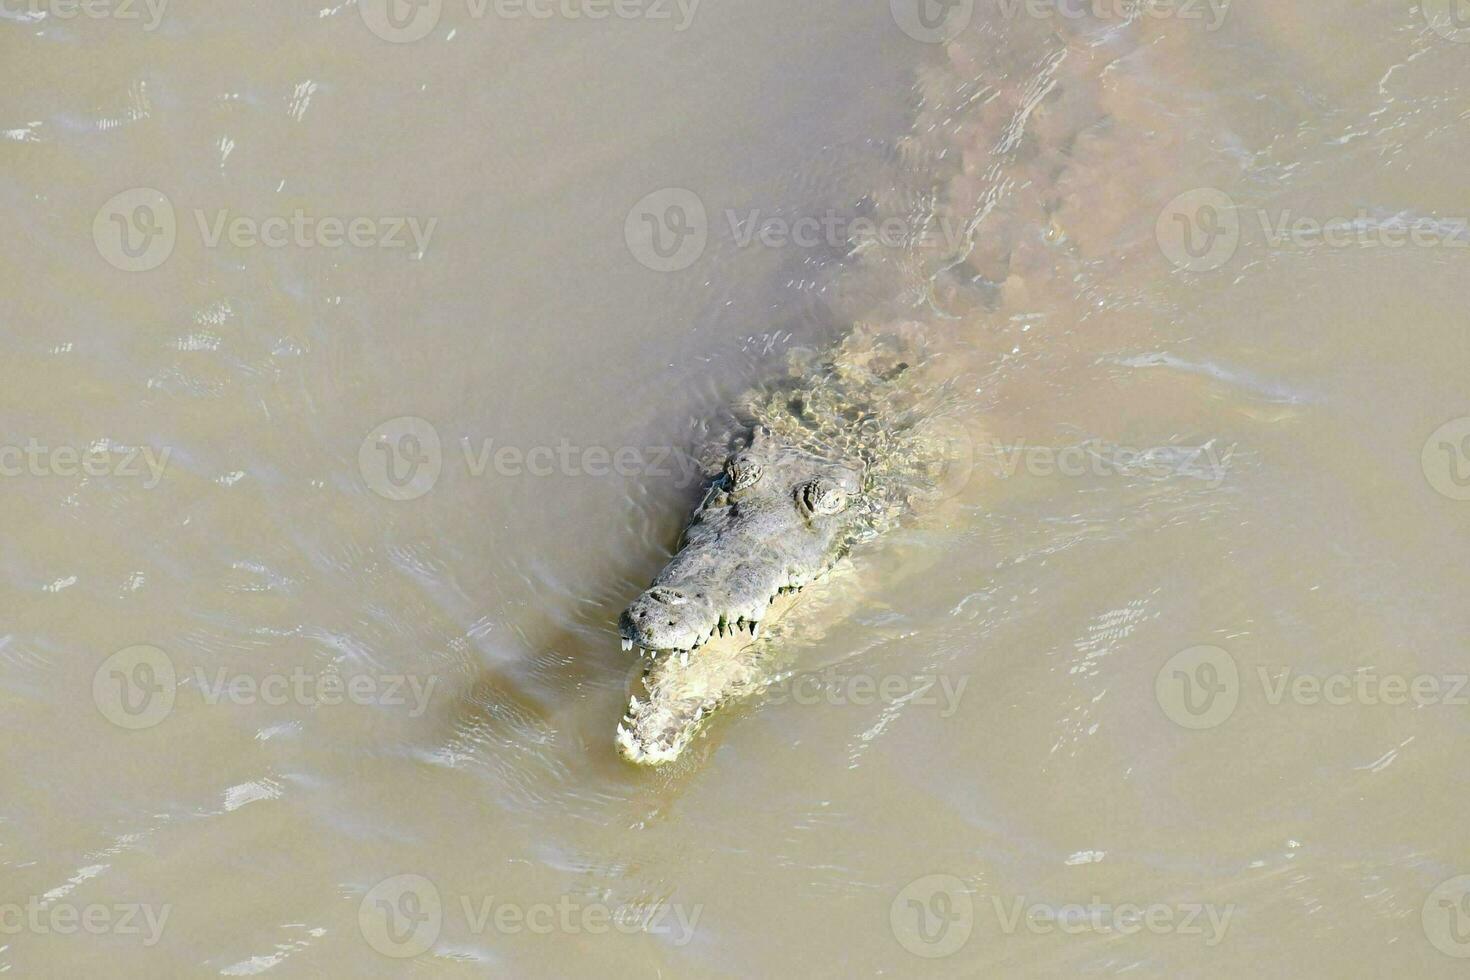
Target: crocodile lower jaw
<point x="676" y="694"/>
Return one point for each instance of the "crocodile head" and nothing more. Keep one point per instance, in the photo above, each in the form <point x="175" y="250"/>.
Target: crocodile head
<point x="775" y="519"/>
<point x="782" y="513"/>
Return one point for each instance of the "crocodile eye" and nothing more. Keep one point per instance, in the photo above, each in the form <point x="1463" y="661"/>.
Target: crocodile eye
<point x="742" y="472"/>
<point x="822" y="496"/>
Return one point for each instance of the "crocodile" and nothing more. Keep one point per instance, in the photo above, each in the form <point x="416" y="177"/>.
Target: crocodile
<point x="1023" y="126"/>
<point x="828" y="458"/>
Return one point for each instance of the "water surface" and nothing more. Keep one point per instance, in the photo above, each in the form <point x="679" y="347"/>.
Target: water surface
<point x="315" y="543"/>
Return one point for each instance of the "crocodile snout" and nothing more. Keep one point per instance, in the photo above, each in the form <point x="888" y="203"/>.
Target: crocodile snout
<point x="665" y="618"/>
<point x="672" y="618"/>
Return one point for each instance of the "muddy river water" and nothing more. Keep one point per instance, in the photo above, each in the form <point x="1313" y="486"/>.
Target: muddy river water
<point x="356" y="361"/>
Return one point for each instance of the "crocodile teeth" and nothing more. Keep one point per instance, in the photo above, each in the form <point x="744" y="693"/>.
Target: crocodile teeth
<point x="627" y="645"/>
<point x="684" y="658"/>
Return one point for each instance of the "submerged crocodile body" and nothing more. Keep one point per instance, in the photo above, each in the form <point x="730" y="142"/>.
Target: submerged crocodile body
<point x="1047" y="154"/>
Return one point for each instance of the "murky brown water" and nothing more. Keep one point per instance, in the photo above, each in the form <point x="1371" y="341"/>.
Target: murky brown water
<point x="354" y="363"/>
